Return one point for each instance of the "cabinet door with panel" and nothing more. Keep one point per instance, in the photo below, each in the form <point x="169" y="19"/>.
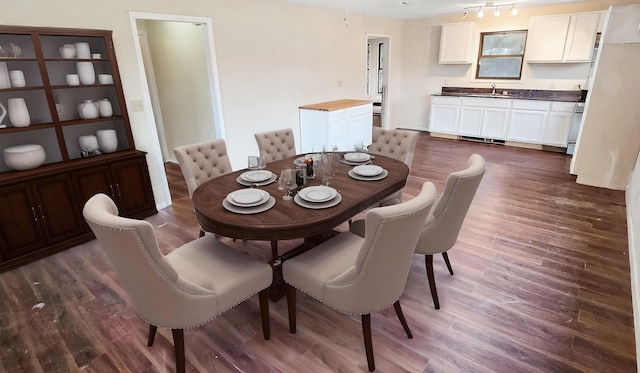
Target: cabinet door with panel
<point x="562" y="38"/>
<point x="60" y="214"/>
<point x="556" y="131"/>
<point x="528" y="119"/>
<point x="131" y="187"/>
<point x="470" y="121"/>
<point x="20" y="228"/>
<point x="495" y="122"/>
<point x="444" y="114"/>
<point x="457" y="43"/>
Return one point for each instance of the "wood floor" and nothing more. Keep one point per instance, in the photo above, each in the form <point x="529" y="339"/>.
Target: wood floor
<point x="541" y="284"/>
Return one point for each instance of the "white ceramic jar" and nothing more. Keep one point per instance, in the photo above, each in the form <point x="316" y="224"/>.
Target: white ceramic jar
<point x="88" y="143"/>
<point x="67" y="51"/>
<point x="107" y="140"/>
<point x="88" y="110"/>
<point x="83" y="50"/>
<point x="105" y="108"/>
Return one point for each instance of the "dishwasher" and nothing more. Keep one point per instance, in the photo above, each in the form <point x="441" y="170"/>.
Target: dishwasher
<point x="575" y="127"/>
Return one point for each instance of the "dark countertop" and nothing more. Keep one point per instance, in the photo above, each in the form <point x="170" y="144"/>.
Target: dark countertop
<point x="520" y="94"/>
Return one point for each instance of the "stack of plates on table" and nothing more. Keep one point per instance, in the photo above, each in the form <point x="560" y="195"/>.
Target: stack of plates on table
<point x="317" y="197"/>
<point x="256" y="178"/>
<point x="368" y="172"/>
<point x="355" y="159"/>
<point x="248" y="201"/>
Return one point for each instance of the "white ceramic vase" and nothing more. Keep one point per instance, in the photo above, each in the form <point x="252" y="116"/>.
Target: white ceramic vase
<point x="68" y="51"/>
<point x="18" y="112"/>
<point x="107" y="140"/>
<point x="88" y="143"/>
<point x="83" y="50"/>
<point x="88" y="110"/>
<point x="105" y="108"/>
<point x="17" y="78"/>
<point x="86" y="72"/>
<point x="5" y="82"/>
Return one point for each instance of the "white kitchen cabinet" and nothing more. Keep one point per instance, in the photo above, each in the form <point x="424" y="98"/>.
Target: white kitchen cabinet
<point x="470" y="120"/>
<point x="562" y="38"/>
<point x="556" y="131"/>
<point x="495" y="123"/>
<point x="342" y="124"/>
<point x="484" y="117"/>
<point x="528" y="119"/>
<point x="443" y="117"/>
<point x="457" y="43"/>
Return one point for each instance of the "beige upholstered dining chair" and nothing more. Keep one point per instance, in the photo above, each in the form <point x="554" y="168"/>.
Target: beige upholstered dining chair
<point x="202" y="162"/>
<point x="183" y="289"/>
<point x="362" y="275"/>
<point x="445" y="219"/>
<point x="276" y="145"/>
<point x="397" y="144"/>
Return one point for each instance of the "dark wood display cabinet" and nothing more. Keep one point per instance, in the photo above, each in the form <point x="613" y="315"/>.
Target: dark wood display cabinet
<point x="41" y="207"/>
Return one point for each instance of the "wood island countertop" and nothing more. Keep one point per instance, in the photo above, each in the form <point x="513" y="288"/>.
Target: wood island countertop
<point x="336" y="105"/>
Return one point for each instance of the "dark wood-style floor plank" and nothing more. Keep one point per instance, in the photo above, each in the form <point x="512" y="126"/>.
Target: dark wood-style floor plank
<point x="541" y="284"/>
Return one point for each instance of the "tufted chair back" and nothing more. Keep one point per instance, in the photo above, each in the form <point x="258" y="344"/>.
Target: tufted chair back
<point x="397" y="144"/>
<point x="276" y="145"/>
<point x="202" y="162"/>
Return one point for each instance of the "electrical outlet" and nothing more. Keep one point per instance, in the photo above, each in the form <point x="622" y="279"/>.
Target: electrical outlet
<point x="136" y="105"/>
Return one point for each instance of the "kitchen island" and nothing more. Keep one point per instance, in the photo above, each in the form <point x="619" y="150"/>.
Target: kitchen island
<point x="342" y="125"/>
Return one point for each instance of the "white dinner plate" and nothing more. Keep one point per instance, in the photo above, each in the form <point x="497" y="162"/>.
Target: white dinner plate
<point x="299" y="161"/>
<point x="318" y="194"/>
<point x="247" y="197"/>
<point x="367" y="170"/>
<point x="357" y="157"/>
<point x="270" y="180"/>
<point x="249" y="210"/>
<point x="317" y="205"/>
<point x="255" y="176"/>
<point x="380" y="176"/>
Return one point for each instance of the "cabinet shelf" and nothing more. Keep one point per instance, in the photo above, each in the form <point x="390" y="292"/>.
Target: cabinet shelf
<point x="87" y="121"/>
<point x="31" y="127"/>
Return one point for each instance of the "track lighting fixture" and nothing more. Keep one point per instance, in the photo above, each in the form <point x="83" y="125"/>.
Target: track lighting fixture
<point x="490" y="5"/>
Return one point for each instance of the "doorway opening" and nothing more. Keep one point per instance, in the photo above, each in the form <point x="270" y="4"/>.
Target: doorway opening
<point x="378" y="61"/>
<point x="180" y="71"/>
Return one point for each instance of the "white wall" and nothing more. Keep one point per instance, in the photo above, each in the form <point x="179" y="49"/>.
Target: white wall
<point x="632" y="197"/>
<point x="609" y="140"/>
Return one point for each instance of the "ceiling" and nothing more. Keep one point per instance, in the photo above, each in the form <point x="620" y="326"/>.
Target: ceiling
<point x="407" y="9"/>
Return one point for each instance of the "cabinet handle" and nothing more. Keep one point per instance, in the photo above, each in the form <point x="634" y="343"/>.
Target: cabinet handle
<point x="112" y="193"/>
<point x="33" y="212"/>
<point x="118" y="189"/>
<point x="41" y="213"/>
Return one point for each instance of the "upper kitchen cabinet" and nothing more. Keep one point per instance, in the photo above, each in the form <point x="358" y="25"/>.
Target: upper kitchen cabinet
<point x="567" y="38"/>
<point x="457" y="43"/>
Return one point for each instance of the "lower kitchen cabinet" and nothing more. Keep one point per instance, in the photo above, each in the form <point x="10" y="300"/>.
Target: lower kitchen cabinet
<point x="41" y="210"/>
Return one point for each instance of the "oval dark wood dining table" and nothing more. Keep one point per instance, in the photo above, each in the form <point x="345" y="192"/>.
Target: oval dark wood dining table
<point x="288" y="220"/>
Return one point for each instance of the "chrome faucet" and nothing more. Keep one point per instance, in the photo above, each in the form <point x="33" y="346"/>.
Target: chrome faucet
<point x="493" y="88"/>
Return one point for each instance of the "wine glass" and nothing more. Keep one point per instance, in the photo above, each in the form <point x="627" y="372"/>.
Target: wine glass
<point x="287" y="182"/>
<point x="291" y="182"/>
<point x="261" y="163"/>
<point x="252" y="162"/>
<point x="327" y="168"/>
